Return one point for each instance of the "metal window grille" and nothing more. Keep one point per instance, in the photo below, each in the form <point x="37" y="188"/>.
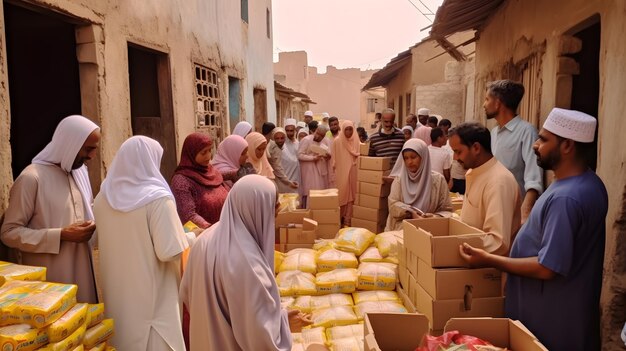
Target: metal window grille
<point x="208" y="101"/>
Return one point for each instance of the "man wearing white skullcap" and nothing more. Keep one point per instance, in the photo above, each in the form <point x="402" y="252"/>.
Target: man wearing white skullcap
<point x="291" y="164"/>
<point x="49" y="220"/>
<point x="422" y="131"/>
<point x="308" y="117"/>
<point x="555" y="264"/>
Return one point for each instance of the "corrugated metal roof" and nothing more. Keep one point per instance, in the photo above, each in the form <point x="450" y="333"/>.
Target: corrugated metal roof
<point x="390" y="70"/>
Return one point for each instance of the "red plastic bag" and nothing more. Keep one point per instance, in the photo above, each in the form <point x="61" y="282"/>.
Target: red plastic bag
<point x="450" y="339"/>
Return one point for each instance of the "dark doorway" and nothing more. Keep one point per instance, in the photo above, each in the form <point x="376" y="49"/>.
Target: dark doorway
<point x="586" y="85"/>
<point x="151" y="109"/>
<point x="44" y="84"/>
<point x="234" y="102"/>
<point x="260" y="108"/>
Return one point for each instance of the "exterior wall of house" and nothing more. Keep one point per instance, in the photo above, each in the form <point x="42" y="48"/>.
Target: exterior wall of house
<point x="536" y="27"/>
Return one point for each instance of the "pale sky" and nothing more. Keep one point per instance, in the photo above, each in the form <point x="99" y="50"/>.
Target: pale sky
<point x="349" y="33"/>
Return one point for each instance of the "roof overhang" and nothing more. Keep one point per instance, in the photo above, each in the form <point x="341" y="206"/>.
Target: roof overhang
<point x="292" y="93"/>
<point x="390" y="71"/>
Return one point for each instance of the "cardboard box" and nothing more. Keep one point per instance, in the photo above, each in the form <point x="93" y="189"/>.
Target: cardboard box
<point x="436" y="240"/>
<point x="375" y="177"/>
<point x="440" y="311"/>
<point x="374" y="227"/>
<point x="327" y="231"/>
<point x="379" y="190"/>
<point x="405" y="299"/>
<point x="402" y="256"/>
<point x="456" y="205"/>
<point x="292" y="217"/>
<point x="373" y="202"/>
<point x="364" y="148"/>
<point x="323" y="199"/>
<point x="375" y="163"/>
<point x="455" y="283"/>
<point x="411" y="289"/>
<point x="403" y="277"/>
<point x="501" y="332"/>
<point x="394" y="331"/>
<point x="411" y="262"/>
<point x="371" y="214"/>
<point x="327" y="216"/>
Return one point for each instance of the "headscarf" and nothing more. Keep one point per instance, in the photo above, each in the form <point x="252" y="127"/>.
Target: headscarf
<point x="301" y="124"/>
<point x="343" y="143"/>
<point x="408" y="128"/>
<point x="416" y="187"/>
<point x="228" y="152"/>
<point x="188" y="167"/>
<point x="134" y="179"/>
<point x="290" y="122"/>
<point x="67" y="140"/>
<point x="261" y="165"/>
<point x="242" y="129"/>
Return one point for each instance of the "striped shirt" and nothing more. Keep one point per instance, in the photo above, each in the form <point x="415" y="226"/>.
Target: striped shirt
<point x="387" y="145"/>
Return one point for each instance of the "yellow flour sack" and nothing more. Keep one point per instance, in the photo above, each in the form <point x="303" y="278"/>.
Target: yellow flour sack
<point x="20" y="286"/>
<point x="71" y="342"/>
<point x="298" y="346"/>
<point x="79" y="348"/>
<point x="377" y="276"/>
<point x="333" y="316"/>
<point x="372" y="254"/>
<point x="337" y="281"/>
<point x="100" y="347"/>
<point x="296" y="283"/>
<point x="307" y="304"/>
<point x="348" y="344"/>
<point x="387" y="242"/>
<point x="378" y="306"/>
<point x="68" y="323"/>
<point x="99" y="333"/>
<point x="95" y="314"/>
<point x="301" y="260"/>
<point x="287" y="301"/>
<point x="324" y="244"/>
<point x="330" y="259"/>
<point x="345" y="331"/>
<point x="11" y="271"/>
<point x="354" y="240"/>
<point x="310" y="336"/>
<point x="278" y="259"/>
<point x="39" y="309"/>
<point x="375" y="295"/>
<point x="288" y="202"/>
<point x="22" y="337"/>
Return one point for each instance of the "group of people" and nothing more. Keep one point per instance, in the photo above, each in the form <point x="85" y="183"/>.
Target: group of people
<point x="228" y="285"/>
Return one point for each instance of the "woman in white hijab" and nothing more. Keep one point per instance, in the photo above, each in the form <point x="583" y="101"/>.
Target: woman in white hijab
<point x="242" y="129"/>
<point x="229" y="285"/>
<point x="416" y="191"/>
<point x="141" y="241"/>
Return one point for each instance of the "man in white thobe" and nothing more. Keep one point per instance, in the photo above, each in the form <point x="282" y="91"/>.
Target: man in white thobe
<point x="314" y="156"/>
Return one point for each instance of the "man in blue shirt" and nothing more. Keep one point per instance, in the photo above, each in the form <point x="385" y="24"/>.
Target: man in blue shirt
<point x="512" y="139"/>
<point x="555" y="264"/>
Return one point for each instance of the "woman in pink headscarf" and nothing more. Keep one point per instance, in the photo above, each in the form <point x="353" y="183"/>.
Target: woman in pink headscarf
<point x="197" y="186"/>
<point x="231" y="159"/>
<point x="345" y="151"/>
<point x="257" y="144"/>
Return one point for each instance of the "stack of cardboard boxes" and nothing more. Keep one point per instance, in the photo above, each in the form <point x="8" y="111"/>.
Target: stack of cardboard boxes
<point x="434" y="276"/>
<point x="370" y="209"/>
<point x="324" y="206"/>
<point x="295" y="229"/>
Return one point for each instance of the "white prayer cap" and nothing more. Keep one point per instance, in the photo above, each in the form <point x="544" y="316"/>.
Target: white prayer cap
<point x="325" y="115"/>
<point x="309" y="113"/>
<point x="570" y="124"/>
<point x="423" y="112"/>
<point x="301" y="124"/>
<point x="290" y="122"/>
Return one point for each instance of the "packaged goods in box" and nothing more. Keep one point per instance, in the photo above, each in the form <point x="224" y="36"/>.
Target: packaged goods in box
<point x="307" y="304"/>
<point x="101" y="332"/>
<point x="502" y="332"/>
<point x="364" y="148"/>
<point x="327" y="199"/>
<point x="377" y="276"/>
<point x="296" y="283"/>
<point x="440" y="311"/>
<point x="310" y="336"/>
<point x="11" y="271"/>
<point x="345" y="331"/>
<point x="327" y="231"/>
<point x="336" y="281"/>
<point x="374" y="202"/>
<point x="71" y="342"/>
<point x="375" y="177"/>
<point x="39" y="308"/>
<point x="372" y="189"/>
<point x="299" y="260"/>
<point x="330" y="259"/>
<point x="378" y="306"/>
<point x="68" y="322"/>
<point x="292" y="217"/>
<point x="331" y="216"/>
<point x="348" y="344"/>
<point x="95" y="314"/>
<point x="375" y="163"/>
<point x="288" y="201"/>
<point x="387" y="243"/>
<point x="456" y="283"/>
<point x="22" y="337"/>
<point x="374" y="227"/>
<point x="436" y="240"/>
<point x="375" y="295"/>
<point x="354" y="240"/>
<point x="394" y="331"/>
<point x="371" y="214"/>
<point x="333" y="316"/>
<point x="371" y="254"/>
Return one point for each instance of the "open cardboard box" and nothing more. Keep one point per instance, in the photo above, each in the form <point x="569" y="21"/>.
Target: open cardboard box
<point x="501" y="332"/>
<point x="436" y="240"/>
<point x="299" y="234"/>
<point x="292" y="217"/>
<point x="455" y="283"/>
<point x="327" y="199"/>
<point x="375" y="163"/>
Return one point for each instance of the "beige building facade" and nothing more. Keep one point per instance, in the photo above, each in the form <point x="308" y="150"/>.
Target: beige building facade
<point x="569" y="54"/>
<point x="160" y="68"/>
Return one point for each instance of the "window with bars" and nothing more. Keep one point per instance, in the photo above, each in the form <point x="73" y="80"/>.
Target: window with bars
<point x="208" y="101"/>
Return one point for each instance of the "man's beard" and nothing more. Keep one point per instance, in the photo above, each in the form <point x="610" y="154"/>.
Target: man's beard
<point x="550" y="162"/>
<point x="491" y="115"/>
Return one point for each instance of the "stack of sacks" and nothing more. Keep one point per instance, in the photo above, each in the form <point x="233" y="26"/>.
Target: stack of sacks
<point x="324" y="206"/>
<point x="37" y="315"/>
<point x="370" y="209"/>
<point x="436" y="278"/>
<point x="338" y="283"/>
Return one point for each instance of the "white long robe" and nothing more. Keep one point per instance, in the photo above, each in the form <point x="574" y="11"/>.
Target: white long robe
<point x="315" y="174"/>
<point x="290" y="162"/>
